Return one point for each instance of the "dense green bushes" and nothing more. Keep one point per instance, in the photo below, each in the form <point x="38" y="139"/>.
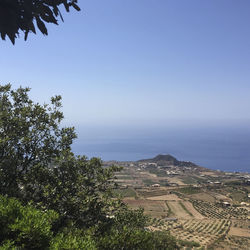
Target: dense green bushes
<point x="136" y="239"/>
<point x="25" y="227"/>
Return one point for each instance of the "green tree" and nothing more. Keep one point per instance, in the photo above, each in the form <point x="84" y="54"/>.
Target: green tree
<point x="77" y="188"/>
<point x="21" y="15"/>
<point x="69" y="199"/>
<point x="26" y="227"/>
<point x="36" y="162"/>
<point x="30" y="137"/>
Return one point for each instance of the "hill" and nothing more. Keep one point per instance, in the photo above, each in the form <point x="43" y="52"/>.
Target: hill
<point x="168" y="160"/>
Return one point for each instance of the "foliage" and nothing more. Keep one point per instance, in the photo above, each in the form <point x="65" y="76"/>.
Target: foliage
<point x="77" y="188"/>
<point x="8" y="245"/>
<point x="188" y="243"/>
<point x="190" y="190"/>
<point x="30" y="136"/>
<point x="158" y="172"/>
<point x="127" y="239"/>
<point x="21" y="15"/>
<point x="72" y="240"/>
<point x="24" y="226"/>
<point x="67" y="201"/>
<point x="128" y="231"/>
<point x="125" y="192"/>
<point x="133" y="219"/>
<point x="37" y="165"/>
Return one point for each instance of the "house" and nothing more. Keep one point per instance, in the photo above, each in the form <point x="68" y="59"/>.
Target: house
<point x="226" y="204"/>
<point x="156" y="185"/>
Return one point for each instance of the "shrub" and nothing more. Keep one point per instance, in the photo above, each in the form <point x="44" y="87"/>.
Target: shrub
<point x="137" y="239"/>
<point x="24" y="226"/>
<point x="72" y="241"/>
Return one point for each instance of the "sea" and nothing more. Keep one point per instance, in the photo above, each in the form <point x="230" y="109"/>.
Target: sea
<point x="225" y="149"/>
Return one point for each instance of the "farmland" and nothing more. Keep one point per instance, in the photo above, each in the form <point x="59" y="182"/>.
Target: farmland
<point x="203" y="209"/>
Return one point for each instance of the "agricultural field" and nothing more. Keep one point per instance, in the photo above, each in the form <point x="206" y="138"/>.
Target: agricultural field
<point x="204" y="232"/>
<point x="156" y="209"/>
<point x="203" y="209"/>
<point x="205" y="223"/>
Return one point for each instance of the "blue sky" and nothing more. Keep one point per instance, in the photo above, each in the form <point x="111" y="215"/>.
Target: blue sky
<point x="141" y="63"/>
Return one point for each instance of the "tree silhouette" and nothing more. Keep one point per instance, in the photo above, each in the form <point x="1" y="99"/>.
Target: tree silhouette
<point x="16" y="15"/>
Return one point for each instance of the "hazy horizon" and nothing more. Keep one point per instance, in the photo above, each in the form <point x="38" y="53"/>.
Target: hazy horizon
<point x="221" y="148"/>
<point x="128" y="68"/>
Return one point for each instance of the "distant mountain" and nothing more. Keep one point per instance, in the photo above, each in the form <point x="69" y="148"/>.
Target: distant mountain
<point x="167" y="160"/>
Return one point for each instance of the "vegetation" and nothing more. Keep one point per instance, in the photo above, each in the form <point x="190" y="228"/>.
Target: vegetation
<point x="21" y="15"/>
<point x="25" y="226"/>
<point x="189" y="190"/>
<point x="158" y="172"/>
<point x="126" y="192"/>
<point x="52" y="199"/>
<point x="209" y="214"/>
<point x="188" y="243"/>
<point x="216" y="210"/>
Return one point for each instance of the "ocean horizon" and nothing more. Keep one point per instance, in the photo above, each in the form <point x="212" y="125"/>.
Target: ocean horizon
<point x="217" y="149"/>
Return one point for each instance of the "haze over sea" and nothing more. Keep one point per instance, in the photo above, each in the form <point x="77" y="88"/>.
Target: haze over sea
<point x="222" y="148"/>
<point x="141" y="78"/>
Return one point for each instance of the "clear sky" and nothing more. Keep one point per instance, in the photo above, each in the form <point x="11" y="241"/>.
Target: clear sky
<point x="141" y="63"/>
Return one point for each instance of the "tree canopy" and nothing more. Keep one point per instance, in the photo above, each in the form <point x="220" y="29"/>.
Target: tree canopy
<point x="16" y="15"/>
<point x="52" y="199"/>
<point x="36" y="162"/>
<point x="30" y="136"/>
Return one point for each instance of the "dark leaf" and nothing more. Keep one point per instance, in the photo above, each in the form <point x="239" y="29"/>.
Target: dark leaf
<point x="66" y="5"/>
<point x="26" y="35"/>
<point x="76" y="7"/>
<point x="32" y="27"/>
<point x="61" y="15"/>
<point x="12" y="37"/>
<point x="48" y="18"/>
<point x="16" y="15"/>
<point x="3" y="34"/>
<point x="41" y="26"/>
<point x="55" y="10"/>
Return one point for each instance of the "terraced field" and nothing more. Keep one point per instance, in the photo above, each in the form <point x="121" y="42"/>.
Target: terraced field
<point x="201" y="220"/>
<point x="179" y="210"/>
<point x="215" y="211"/>
<point x="204" y="232"/>
<point x="156" y="209"/>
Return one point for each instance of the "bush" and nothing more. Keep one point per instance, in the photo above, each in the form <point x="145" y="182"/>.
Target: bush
<point x="24" y="226"/>
<point x="72" y="241"/>
<point x="137" y="239"/>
